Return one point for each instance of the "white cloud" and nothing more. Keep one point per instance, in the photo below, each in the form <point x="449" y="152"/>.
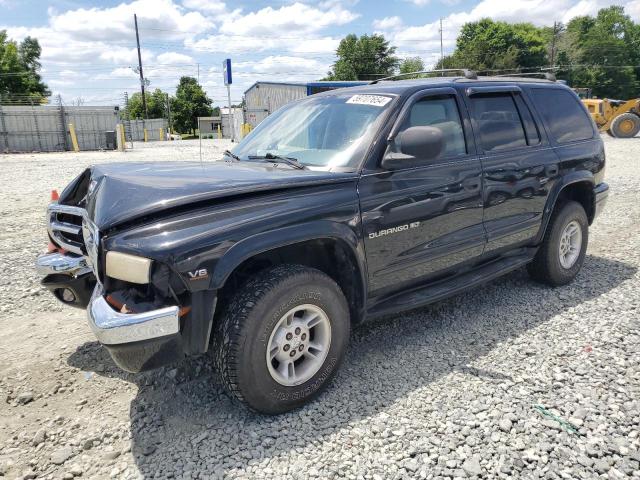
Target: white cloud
<point x="67" y="73"/>
<point x="633" y="9"/>
<point x="290" y="19"/>
<point x="174" y="58"/>
<point x="157" y="18"/>
<point x="248" y="44"/>
<point x="288" y="66"/>
<point x="61" y="82"/>
<point x="419" y="3"/>
<point x="207" y="6"/>
<point x="388" y="23"/>
<point x="117" y="73"/>
<point x="315" y="45"/>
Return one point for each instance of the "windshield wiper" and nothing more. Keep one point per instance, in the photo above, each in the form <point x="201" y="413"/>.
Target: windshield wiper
<point x="232" y="155"/>
<point x="272" y="156"/>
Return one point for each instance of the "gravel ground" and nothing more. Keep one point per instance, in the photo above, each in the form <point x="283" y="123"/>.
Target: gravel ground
<point x="510" y="380"/>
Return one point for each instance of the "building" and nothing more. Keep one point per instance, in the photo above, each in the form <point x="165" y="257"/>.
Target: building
<point x="209" y="125"/>
<point x="264" y="98"/>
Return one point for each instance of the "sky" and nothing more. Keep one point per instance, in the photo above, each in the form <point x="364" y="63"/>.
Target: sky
<point x="89" y="47"/>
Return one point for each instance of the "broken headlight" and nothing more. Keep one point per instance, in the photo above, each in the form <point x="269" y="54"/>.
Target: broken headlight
<point x="129" y="268"/>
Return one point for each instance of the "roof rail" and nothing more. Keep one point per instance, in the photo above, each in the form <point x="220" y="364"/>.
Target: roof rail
<point x="470" y="74"/>
<point x="547" y="75"/>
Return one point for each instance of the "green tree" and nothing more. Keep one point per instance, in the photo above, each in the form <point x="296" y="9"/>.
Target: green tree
<point x="363" y="58"/>
<point x="411" y="64"/>
<point x="156" y="104"/>
<point x="20" y="81"/>
<point x="602" y="53"/>
<point x="491" y="45"/>
<point x="190" y="102"/>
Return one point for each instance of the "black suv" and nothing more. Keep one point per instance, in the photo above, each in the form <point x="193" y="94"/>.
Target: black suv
<point x="338" y="208"/>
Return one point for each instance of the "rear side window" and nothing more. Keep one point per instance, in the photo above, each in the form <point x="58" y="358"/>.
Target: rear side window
<point x="563" y="114"/>
<point x="499" y="123"/>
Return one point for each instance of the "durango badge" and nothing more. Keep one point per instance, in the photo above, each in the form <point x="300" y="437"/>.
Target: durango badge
<point x="389" y="231"/>
<point x="198" y="274"/>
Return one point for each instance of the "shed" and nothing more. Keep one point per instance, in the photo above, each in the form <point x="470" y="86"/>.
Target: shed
<point x="264" y="98"/>
<point x="209" y="125"/>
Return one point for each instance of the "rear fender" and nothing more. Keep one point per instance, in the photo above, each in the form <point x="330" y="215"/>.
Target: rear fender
<point x="567" y="180"/>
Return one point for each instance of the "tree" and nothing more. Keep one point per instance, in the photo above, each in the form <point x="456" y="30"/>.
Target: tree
<point x="602" y="53"/>
<point x="490" y="45"/>
<point x="156" y="104"/>
<point x="20" y="81"/>
<point x="363" y="58"/>
<point x="190" y="102"/>
<point x="411" y="64"/>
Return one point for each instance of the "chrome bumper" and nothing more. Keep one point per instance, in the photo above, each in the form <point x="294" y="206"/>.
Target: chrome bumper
<point x="51" y="263"/>
<point x="114" y="328"/>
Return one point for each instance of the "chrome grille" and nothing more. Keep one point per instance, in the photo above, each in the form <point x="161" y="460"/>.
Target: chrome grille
<point x="65" y="227"/>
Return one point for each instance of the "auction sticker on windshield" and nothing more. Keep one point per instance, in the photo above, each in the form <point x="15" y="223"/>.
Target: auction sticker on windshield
<point x="375" y="100"/>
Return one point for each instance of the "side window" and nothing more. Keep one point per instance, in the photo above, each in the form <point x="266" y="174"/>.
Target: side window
<point x="566" y="119"/>
<point x="499" y="123"/>
<point x="440" y="112"/>
<point x="530" y="128"/>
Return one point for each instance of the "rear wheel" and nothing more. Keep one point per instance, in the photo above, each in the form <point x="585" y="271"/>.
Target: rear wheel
<point x="626" y="125"/>
<point x="561" y="255"/>
<point x="282" y="338"/>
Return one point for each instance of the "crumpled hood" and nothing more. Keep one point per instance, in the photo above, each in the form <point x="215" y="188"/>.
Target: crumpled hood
<point x="119" y="192"/>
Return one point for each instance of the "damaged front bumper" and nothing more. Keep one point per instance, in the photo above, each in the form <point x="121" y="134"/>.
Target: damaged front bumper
<point x="136" y="341"/>
<point x="146" y="339"/>
<point x="68" y="277"/>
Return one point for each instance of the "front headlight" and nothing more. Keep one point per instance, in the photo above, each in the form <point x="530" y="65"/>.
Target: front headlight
<point x="129" y="268"/>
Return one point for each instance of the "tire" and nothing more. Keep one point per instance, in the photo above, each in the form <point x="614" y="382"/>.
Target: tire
<point x="257" y="317"/>
<point x="626" y="125"/>
<point x="549" y="265"/>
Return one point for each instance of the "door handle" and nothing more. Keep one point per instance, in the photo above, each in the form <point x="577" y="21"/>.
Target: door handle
<point x="551" y="170"/>
<point x="471" y="185"/>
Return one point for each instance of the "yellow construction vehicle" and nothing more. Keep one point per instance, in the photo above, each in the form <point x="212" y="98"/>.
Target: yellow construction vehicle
<point x="620" y="118"/>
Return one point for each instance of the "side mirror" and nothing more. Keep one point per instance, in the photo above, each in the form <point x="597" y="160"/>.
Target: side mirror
<point x="413" y="147"/>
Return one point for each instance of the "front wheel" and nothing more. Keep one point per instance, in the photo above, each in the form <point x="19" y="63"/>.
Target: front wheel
<point x="282" y="338"/>
<point x="561" y="255"/>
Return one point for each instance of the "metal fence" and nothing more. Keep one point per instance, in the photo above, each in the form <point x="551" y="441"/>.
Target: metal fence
<point x="134" y="129"/>
<point x="45" y="128"/>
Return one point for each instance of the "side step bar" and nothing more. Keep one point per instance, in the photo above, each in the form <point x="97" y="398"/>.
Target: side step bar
<point x="433" y="292"/>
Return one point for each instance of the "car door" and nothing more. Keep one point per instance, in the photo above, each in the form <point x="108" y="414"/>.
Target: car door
<point x="420" y="221"/>
<point x="519" y="166"/>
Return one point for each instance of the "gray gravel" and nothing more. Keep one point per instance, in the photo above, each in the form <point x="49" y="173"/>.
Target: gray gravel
<point x="510" y="380"/>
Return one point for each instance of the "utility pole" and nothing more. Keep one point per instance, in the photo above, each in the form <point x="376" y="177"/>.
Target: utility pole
<point x="553" y="44"/>
<point x="144" y="100"/>
<point x="168" y="112"/>
<point x="198" y="73"/>
<point x="441" y="48"/>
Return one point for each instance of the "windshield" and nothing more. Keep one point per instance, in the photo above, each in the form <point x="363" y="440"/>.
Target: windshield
<point x="326" y="132"/>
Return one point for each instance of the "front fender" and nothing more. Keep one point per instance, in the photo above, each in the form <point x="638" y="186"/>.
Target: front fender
<point x="265" y="241"/>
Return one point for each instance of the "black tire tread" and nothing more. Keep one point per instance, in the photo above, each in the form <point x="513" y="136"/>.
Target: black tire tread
<point x="230" y="332"/>
<point x="538" y="269"/>
<point x="616" y="121"/>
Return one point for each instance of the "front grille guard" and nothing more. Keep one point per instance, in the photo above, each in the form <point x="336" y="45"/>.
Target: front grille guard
<point x="60" y="232"/>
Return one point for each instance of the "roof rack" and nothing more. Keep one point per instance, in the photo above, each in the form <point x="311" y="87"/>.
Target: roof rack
<point x="470" y="74"/>
<point x="547" y="75"/>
